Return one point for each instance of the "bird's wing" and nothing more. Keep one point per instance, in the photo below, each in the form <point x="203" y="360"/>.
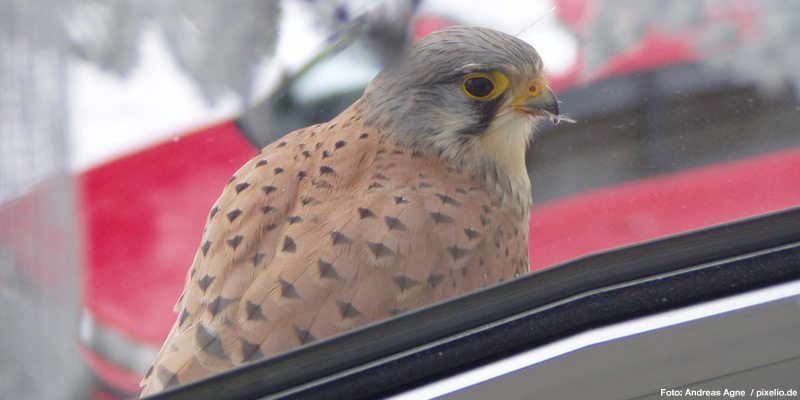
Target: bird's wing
<point x="327" y="229"/>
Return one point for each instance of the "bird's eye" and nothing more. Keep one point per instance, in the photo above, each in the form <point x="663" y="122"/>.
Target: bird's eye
<point x="478" y="87"/>
<point x="485" y="86"/>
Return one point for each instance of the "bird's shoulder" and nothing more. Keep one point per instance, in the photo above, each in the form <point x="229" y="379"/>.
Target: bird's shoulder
<point x="331" y="227"/>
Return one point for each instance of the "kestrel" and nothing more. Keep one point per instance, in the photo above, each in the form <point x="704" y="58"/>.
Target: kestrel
<point x="415" y="193"/>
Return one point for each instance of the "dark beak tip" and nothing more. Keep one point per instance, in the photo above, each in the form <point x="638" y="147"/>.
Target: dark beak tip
<point x="552" y="108"/>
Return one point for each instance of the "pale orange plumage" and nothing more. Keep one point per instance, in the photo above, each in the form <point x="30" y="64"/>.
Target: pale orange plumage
<point x="335" y="226"/>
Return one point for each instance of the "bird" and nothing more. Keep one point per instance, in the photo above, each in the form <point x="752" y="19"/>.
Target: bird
<point x="417" y="192"/>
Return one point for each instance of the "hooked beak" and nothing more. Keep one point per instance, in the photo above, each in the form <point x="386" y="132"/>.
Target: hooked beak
<point x="541" y="102"/>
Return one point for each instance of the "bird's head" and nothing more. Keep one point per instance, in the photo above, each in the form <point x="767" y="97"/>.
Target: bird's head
<point x="467" y="94"/>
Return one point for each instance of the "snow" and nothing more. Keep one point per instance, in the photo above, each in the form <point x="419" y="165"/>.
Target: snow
<point x="111" y="116"/>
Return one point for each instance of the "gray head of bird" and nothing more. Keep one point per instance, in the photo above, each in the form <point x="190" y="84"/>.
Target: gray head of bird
<point x="467" y="94"/>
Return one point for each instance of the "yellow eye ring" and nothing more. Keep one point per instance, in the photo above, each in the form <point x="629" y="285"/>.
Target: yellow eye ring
<point x="483" y="86"/>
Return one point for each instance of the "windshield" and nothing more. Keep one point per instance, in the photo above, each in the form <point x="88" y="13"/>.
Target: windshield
<point x="121" y="124"/>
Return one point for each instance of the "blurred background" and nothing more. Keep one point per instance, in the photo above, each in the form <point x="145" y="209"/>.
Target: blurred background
<point x="120" y="123"/>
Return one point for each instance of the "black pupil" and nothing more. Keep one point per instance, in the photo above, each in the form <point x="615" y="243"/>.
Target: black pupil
<point x="479" y="86"/>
